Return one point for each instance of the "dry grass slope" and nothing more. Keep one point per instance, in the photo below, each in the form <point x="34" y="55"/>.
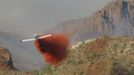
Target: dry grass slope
<point x="103" y="56"/>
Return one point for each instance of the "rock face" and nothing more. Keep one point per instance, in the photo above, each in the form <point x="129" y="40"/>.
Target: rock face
<point x="116" y="18"/>
<point x="5" y="60"/>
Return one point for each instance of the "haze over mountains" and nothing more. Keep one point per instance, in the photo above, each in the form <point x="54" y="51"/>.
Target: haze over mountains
<point x="24" y="56"/>
<point x="116" y="18"/>
<point x="27" y="17"/>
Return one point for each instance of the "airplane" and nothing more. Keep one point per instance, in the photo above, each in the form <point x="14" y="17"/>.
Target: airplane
<point x="36" y="36"/>
<point x="53" y="47"/>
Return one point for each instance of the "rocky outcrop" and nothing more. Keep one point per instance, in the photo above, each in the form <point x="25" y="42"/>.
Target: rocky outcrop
<point x="116" y="18"/>
<point x="5" y="60"/>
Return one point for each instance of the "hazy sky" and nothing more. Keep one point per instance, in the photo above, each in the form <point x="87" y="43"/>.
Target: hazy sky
<point x="31" y="16"/>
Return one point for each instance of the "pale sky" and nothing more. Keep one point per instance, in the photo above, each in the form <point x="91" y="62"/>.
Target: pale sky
<point x="30" y="16"/>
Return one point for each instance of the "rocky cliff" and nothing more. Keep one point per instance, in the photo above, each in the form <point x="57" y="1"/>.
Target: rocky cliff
<point x="6" y="64"/>
<point x="116" y="18"/>
<point x="5" y="60"/>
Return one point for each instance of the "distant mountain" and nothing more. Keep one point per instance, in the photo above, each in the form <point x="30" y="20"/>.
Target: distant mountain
<point x="25" y="57"/>
<point x="116" y="18"/>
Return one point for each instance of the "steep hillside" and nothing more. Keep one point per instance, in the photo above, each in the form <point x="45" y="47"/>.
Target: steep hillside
<point x="6" y="64"/>
<point x="5" y="60"/>
<point x="116" y="18"/>
<point x="102" y="56"/>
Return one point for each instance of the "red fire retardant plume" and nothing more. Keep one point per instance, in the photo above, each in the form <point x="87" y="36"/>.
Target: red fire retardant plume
<point x="53" y="48"/>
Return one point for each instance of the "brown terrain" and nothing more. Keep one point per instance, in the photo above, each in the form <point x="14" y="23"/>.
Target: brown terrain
<point x="6" y="64"/>
<point x="115" y="56"/>
<point x="5" y="60"/>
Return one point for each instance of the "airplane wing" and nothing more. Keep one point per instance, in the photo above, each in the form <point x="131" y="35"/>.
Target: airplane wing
<point x="26" y="40"/>
<point x="32" y="39"/>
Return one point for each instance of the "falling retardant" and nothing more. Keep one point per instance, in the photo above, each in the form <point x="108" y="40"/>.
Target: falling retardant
<point x="53" y="48"/>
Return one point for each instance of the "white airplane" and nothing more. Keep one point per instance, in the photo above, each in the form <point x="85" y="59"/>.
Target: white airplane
<point x="36" y="36"/>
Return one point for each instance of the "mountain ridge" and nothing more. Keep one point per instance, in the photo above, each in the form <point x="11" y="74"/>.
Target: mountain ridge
<point x="116" y="18"/>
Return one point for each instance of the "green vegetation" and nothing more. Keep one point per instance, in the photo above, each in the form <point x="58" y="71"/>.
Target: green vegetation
<point x="102" y="56"/>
